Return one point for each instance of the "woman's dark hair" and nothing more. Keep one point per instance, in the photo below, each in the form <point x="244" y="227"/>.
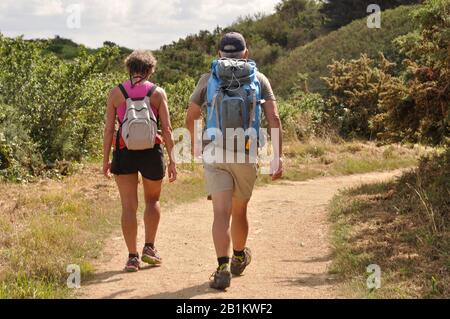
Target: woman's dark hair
<point x="140" y="62"/>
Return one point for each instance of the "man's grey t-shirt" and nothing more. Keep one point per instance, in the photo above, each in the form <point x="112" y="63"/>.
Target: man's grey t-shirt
<point x="199" y="95"/>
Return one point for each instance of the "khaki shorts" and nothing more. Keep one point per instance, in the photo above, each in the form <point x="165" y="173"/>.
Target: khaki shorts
<point x="240" y="178"/>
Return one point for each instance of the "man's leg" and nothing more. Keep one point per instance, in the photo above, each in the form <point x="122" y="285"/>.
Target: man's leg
<point x="244" y="180"/>
<point x="239" y="224"/>
<point x="152" y="215"/>
<point x="219" y="183"/>
<point x="222" y="238"/>
<point x="127" y="185"/>
<point x="221" y="225"/>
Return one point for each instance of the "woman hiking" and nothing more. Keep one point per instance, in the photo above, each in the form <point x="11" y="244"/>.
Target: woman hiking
<point x="139" y="106"/>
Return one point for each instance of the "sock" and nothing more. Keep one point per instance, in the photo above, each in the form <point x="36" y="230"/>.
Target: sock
<point x="239" y="253"/>
<point x="223" y="260"/>
<point x="151" y="245"/>
<point x="133" y="255"/>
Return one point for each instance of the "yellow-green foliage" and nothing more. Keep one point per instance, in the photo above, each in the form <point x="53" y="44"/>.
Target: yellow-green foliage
<point x="178" y="94"/>
<point x="355" y="87"/>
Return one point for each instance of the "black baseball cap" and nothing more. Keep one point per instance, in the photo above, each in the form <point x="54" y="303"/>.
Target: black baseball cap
<point x="232" y="42"/>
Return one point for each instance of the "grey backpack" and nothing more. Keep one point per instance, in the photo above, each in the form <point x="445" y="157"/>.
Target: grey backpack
<point x="140" y="126"/>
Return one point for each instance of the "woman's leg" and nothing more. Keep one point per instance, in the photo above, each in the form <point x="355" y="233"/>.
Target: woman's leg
<point x="152" y="214"/>
<point x="128" y="194"/>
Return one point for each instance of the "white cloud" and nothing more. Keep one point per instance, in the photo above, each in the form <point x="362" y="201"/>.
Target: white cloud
<point x="132" y="23"/>
<point x="47" y="8"/>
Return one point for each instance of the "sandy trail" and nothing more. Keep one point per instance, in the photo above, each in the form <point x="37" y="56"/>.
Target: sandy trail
<point x="289" y="237"/>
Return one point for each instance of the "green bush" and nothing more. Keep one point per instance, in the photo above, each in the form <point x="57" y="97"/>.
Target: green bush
<point x="58" y="105"/>
<point x="302" y="115"/>
<point x="178" y="95"/>
<point x="19" y="156"/>
<point x="355" y="88"/>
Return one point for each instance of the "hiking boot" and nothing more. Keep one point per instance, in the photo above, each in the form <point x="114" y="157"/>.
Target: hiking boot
<point x="151" y="256"/>
<point x="238" y="264"/>
<point x="133" y="264"/>
<point x="221" y="279"/>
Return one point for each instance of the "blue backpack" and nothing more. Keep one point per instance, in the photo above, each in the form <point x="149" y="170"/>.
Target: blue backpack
<point x="234" y="102"/>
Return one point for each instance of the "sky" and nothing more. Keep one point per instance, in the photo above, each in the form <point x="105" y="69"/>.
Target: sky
<point x="137" y="24"/>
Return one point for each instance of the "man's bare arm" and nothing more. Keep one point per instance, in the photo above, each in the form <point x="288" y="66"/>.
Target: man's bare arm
<point x="270" y="109"/>
<point x="194" y="112"/>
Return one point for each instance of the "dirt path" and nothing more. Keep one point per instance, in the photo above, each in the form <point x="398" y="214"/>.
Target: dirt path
<point x="288" y="236"/>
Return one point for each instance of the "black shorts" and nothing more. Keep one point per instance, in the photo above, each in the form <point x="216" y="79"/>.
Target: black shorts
<point x="150" y="163"/>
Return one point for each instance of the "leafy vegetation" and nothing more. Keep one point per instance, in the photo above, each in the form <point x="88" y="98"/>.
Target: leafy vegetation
<point x="356" y="87"/>
<point x="416" y="106"/>
<point x="52" y="109"/>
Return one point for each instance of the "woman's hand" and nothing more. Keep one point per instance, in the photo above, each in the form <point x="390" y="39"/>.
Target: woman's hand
<point x="107" y="169"/>
<point x="172" y="170"/>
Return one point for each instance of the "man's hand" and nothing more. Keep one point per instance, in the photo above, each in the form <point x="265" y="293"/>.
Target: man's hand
<point x="107" y="169"/>
<point x="172" y="170"/>
<point x="276" y="169"/>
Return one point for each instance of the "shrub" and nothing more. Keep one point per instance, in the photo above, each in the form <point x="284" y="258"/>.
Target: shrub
<point x="355" y="88"/>
<point x="178" y="95"/>
<point x="417" y="108"/>
<point x="58" y="105"/>
<point x="302" y="115"/>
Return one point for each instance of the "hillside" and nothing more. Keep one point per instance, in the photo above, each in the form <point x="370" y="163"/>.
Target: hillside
<point x="348" y="42"/>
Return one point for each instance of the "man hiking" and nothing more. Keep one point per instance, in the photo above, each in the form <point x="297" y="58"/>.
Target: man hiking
<point x="139" y="107"/>
<point x="231" y="96"/>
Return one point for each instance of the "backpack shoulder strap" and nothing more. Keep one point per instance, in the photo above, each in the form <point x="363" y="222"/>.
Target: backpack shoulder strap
<point x="152" y="90"/>
<point x="124" y="92"/>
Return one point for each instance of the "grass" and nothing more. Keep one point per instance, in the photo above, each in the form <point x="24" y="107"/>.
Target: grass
<point x="324" y="158"/>
<point x="390" y="225"/>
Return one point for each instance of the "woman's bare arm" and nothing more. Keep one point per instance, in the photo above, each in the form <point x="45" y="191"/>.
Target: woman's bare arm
<point x="109" y="131"/>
